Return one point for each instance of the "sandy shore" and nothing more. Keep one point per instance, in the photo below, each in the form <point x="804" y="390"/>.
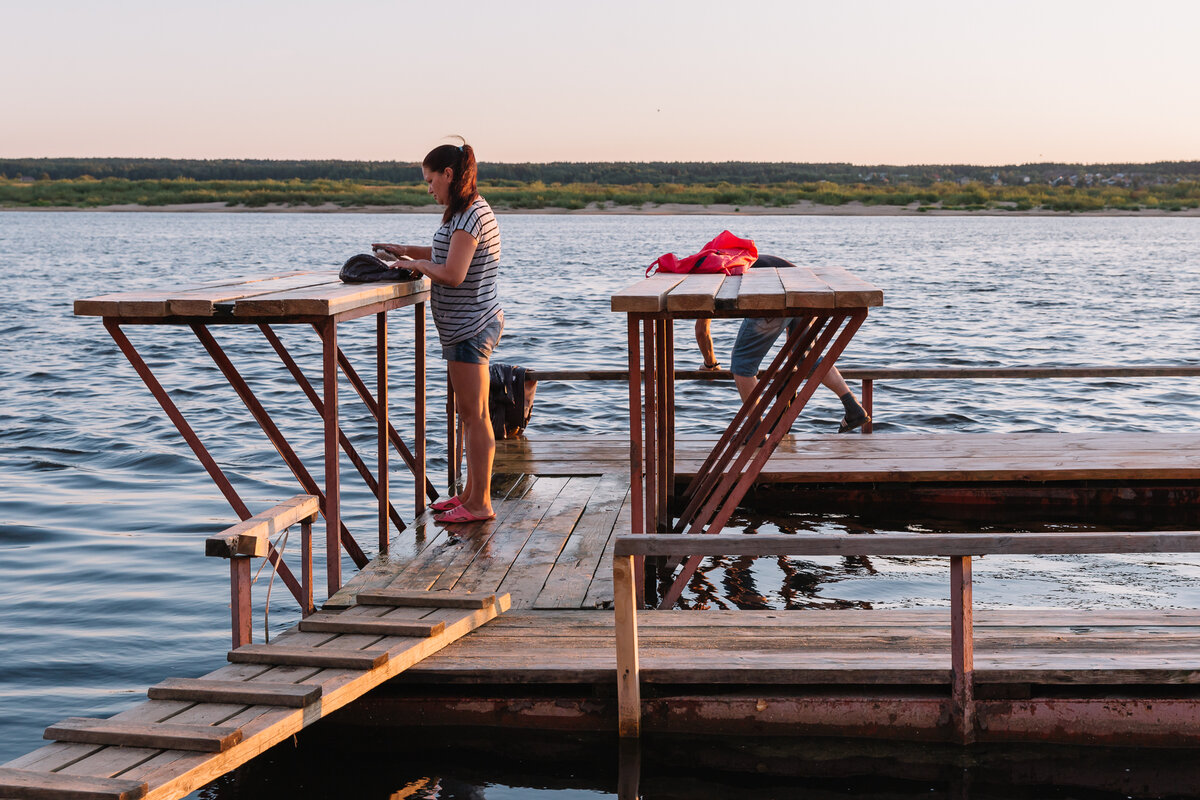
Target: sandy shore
<point x="669" y="209"/>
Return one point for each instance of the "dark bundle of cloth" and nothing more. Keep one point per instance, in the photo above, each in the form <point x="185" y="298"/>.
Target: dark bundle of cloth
<point x="510" y="399"/>
<point x="364" y="268"/>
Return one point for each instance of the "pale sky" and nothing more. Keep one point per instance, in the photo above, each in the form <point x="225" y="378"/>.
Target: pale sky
<point x="895" y="82"/>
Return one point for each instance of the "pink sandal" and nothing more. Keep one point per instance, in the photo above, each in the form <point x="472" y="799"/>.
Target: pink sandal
<point x="446" y="505"/>
<point x="460" y="514"/>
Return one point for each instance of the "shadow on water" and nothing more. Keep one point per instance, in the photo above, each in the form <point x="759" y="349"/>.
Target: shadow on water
<point x="476" y="763"/>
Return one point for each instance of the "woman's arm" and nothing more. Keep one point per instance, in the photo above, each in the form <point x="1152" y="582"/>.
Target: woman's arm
<point x="401" y="250"/>
<point x="458" y="261"/>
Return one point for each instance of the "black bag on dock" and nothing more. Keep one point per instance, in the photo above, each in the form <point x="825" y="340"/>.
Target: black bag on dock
<point x="510" y="399"/>
<point x="364" y="268"/>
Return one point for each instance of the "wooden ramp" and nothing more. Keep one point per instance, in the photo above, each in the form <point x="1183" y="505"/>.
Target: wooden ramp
<point x="888" y="458"/>
<point x="192" y="731"/>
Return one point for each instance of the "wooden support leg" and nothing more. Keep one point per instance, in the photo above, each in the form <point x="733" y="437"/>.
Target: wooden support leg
<point x="635" y="428"/>
<point x="962" y="648"/>
<point x="239" y="599"/>
<point x="381" y="390"/>
<point x="629" y="770"/>
<point x="306" y="566"/>
<point x="629" y="700"/>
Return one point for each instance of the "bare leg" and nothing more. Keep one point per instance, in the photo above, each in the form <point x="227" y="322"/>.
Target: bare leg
<point x="471" y="383"/>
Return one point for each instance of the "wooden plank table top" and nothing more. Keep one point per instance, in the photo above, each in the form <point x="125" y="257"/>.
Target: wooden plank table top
<point x="758" y="291"/>
<point x="254" y="299"/>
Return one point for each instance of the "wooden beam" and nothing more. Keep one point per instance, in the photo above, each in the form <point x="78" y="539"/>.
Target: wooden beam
<point x="251" y="693"/>
<point x="904" y="544"/>
<point x="397" y="597"/>
<point x="629" y="698"/>
<point x="646" y="295"/>
<point x="252" y="537"/>
<point x="157" y="735"/>
<point x="327" y="657"/>
<point x="23" y="784"/>
<point x="329" y="623"/>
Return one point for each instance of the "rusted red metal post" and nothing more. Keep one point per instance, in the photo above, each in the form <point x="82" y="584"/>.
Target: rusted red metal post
<point x="962" y="648"/>
<point x="650" y="419"/>
<point x="333" y="494"/>
<point x="868" y="400"/>
<point x="635" y="427"/>
<point x="239" y="599"/>
<point x="381" y="416"/>
<point x="419" y="479"/>
<point x="661" y="366"/>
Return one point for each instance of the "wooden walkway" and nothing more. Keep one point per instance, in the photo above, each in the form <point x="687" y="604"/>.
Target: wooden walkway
<point x="884" y="458"/>
<point x="193" y="731"/>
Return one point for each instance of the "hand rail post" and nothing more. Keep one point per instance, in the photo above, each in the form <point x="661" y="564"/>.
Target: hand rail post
<point x="962" y="649"/>
<point x="629" y="700"/>
<point x="239" y="599"/>
<point x="306" y="566"/>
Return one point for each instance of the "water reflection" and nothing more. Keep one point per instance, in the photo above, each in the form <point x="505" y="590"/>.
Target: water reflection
<point x="499" y="764"/>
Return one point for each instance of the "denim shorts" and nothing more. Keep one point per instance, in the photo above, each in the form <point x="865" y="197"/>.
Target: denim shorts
<point x="477" y="349"/>
<point x="754" y="339"/>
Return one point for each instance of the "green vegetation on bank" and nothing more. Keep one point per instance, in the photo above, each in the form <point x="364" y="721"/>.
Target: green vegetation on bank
<point x="88" y="192"/>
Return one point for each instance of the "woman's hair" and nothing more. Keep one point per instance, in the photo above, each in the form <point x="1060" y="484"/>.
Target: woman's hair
<point x="464" y="185"/>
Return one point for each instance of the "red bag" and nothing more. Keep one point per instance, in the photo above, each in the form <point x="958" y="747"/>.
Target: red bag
<point x="726" y="253"/>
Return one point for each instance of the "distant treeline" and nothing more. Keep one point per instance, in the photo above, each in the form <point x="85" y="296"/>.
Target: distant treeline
<point x="629" y="173"/>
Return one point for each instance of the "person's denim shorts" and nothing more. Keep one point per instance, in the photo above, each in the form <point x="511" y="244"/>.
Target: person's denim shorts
<point x="478" y="349"/>
<point x="754" y="339"/>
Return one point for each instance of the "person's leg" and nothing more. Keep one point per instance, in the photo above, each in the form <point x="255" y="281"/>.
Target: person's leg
<point x="471" y="383"/>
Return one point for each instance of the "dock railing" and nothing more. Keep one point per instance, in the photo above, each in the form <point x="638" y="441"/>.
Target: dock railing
<point x="251" y="539"/>
<point x="958" y="547"/>
<point x="869" y="376"/>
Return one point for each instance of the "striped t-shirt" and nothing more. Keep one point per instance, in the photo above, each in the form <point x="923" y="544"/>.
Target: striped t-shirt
<point x="462" y="311"/>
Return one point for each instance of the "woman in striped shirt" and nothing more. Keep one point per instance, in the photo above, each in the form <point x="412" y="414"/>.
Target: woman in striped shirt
<point x="463" y="265"/>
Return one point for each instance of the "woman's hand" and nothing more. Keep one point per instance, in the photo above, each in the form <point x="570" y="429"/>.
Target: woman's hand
<point x="395" y="249"/>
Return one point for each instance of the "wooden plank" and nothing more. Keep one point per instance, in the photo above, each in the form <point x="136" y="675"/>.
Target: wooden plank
<point x="727" y="295"/>
<point x="21" y="784"/>
<point x="529" y="570"/>
<point x="401" y="597"/>
<point x="161" y="735"/>
<point x="203" y="302"/>
<point x="803" y="289"/>
<point x="761" y="289"/>
<point x="850" y="290"/>
<point x="569" y="579"/>
<point x="906" y="544"/>
<point x="338" y="623"/>
<point x="252" y="537"/>
<point x="308" y="656"/>
<point x="646" y="295"/>
<point x="696" y="292"/>
<point x="156" y="302"/>
<point x="327" y="300"/>
<point x="198" y="690"/>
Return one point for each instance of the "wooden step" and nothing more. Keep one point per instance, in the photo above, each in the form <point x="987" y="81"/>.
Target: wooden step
<point x="308" y="656"/>
<point x="397" y="597"/>
<point x="23" y="784"/>
<point x="335" y="623"/>
<point x="158" y="735"/>
<point x="255" y="693"/>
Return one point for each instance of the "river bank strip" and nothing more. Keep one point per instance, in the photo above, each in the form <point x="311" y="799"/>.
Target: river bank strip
<point x="114" y="194"/>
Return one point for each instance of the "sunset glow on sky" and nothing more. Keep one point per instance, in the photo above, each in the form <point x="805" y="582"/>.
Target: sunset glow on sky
<point x="864" y="82"/>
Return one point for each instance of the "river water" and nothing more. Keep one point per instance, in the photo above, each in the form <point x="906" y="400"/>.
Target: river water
<point x="103" y="508"/>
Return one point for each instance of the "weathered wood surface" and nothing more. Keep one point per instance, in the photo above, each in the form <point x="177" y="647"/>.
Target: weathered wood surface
<point x="394" y="597"/>
<point x="318" y="293"/>
<point x="909" y="544"/>
<point x="251" y="537"/>
<point x="888" y="458"/>
<point x="755" y="290"/>
<point x="172" y="773"/>
<point x="158" y="735"/>
<point x="197" y="690"/>
<point x="337" y="623"/>
<point x="21" y="784"/>
<point x="869" y="647"/>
